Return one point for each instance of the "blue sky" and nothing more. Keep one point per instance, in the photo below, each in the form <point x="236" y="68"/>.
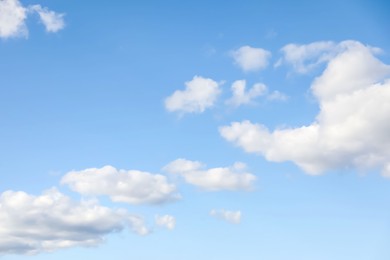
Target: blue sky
<point x="194" y="130"/>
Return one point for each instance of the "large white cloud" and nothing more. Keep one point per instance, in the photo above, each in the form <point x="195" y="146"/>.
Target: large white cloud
<point x="251" y="59"/>
<point x="241" y="96"/>
<point x="213" y="179"/>
<point x="353" y="125"/>
<point x="33" y="224"/>
<point x="233" y="217"/>
<point x="134" y="187"/>
<point x="13" y="17"/>
<point x="200" y="93"/>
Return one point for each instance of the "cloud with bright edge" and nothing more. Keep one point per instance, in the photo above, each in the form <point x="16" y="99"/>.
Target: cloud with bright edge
<point x="353" y="125"/>
<point x="214" y="179"/>
<point x="241" y="96"/>
<point x="13" y="17"/>
<point x="33" y="224"/>
<point x="251" y="59"/>
<point x="134" y="187"/>
<point x="166" y="221"/>
<point x="233" y="217"/>
<point x="200" y="94"/>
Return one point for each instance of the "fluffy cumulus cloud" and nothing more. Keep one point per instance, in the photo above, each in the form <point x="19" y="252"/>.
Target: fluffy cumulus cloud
<point x="233" y="217"/>
<point x="13" y="17"/>
<point x="33" y="224"/>
<point x="166" y="221"/>
<point x="214" y="179"/>
<point x="52" y="21"/>
<point x="134" y="187"/>
<point x="200" y="93"/>
<point x="251" y="59"/>
<point x="353" y="125"/>
<point x="241" y="96"/>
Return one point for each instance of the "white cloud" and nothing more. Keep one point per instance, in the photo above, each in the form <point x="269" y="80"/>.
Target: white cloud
<point x="251" y="59"/>
<point x="253" y="138"/>
<point x="243" y="97"/>
<point x="33" y="224"/>
<point x="200" y="93"/>
<point x="12" y="19"/>
<point x="386" y="170"/>
<point x="213" y="179"/>
<point x="305" y="57"/>
<point x="353" y="125"/>
<point x="277" y="95"/>
<point x="355" y="69"/>
<point x="166" y="221"/>
<point x="52" y="21"/>
<point x="134" y="187"/>
<point x="233" y="217"/>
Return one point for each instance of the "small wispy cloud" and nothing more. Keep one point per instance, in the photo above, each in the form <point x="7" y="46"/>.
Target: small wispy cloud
<point x="52" y="21"/>
<point x="166" y="221"/>
<point x="305" y="57"/>
<point x="233" y="217"/>
<point x="277" y="96"/>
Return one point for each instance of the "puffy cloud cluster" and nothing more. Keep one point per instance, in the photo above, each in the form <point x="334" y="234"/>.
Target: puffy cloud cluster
<point x="33" y="224"/>
<point x="233" y="217"/>
<point x="200" y="93"/>
<point x="134" y="187"/>
<point x="353" y="125"/>
<point x="251" y="59"/>
<point x="13" y="17"/>
<point x="166" y="221"/>
<point x="214" y="179"/>
<point x="241" y="96"/>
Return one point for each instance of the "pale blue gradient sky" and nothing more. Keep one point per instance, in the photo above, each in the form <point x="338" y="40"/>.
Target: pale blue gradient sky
<point x="93" y="94"/>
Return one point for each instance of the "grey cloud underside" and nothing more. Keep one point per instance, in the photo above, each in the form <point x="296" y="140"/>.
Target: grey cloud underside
<point x="51" y="221"/>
